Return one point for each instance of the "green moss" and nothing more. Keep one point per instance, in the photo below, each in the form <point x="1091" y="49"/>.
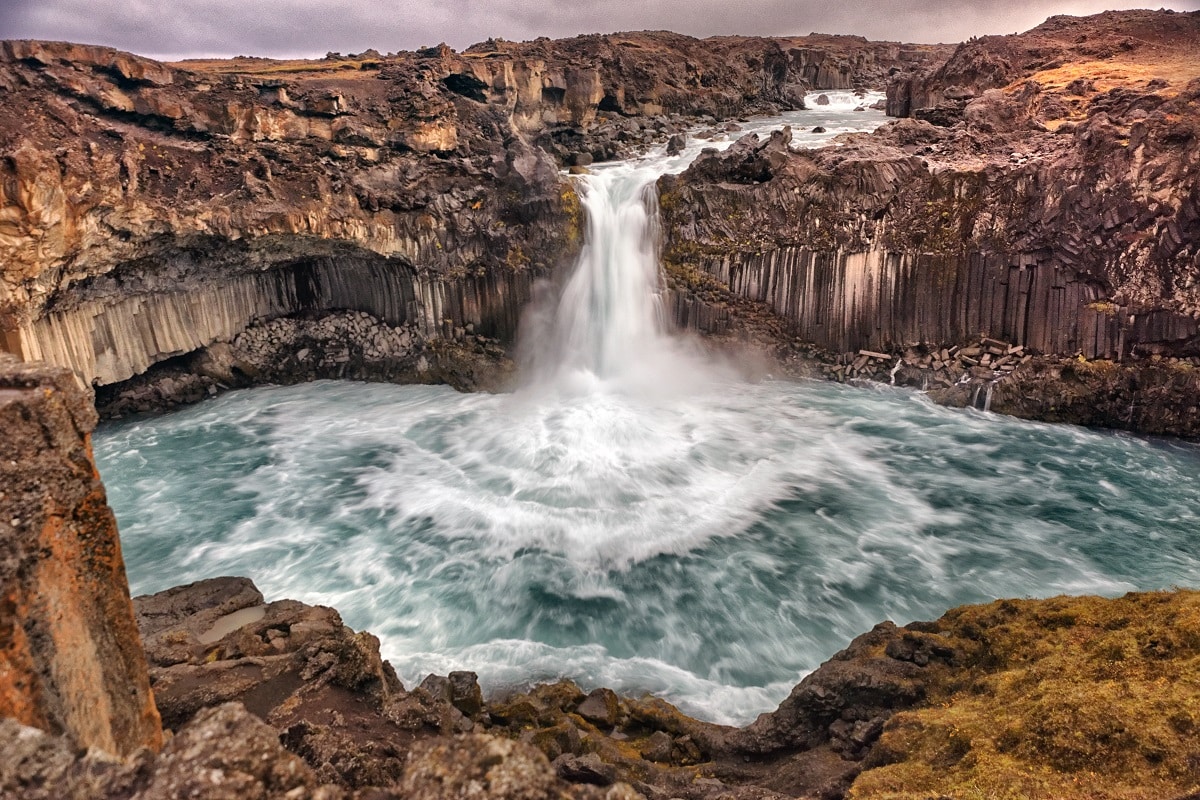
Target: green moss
<point x="1068" y="698"/>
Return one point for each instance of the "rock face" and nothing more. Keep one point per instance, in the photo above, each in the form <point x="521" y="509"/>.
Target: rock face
<point x="70" y="657"/>
<point x="1082" y="55"/>
<point x="1063" y="225"/>
<point x="191" y="205"/>
<point x="151" y="210"/>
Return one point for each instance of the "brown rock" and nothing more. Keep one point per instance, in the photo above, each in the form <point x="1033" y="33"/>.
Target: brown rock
<point x="585" y="769"/>
<point x="478" y="767"/>
<point x="465" y="694"/>
<point x="71" y="660"/>
<point x="601" y="708"/>
<point x="214" y="641"/>
<point x="227" y="753"/>
<point x="224" y="754"/>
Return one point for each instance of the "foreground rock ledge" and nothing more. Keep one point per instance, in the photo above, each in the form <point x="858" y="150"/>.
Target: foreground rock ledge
<point x="1067" y="698"/>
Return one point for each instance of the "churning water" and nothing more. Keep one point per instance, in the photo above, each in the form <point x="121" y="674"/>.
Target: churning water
<point x="633" y="517"/>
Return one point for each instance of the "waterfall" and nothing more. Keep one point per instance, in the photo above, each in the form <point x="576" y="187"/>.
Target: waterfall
<point x="607" y="323"/>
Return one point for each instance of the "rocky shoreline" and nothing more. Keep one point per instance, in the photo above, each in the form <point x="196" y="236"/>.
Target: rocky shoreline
<point x="1070" y="698"/>
<point x="1056" y="698"/>
<point x="346" y="345"/>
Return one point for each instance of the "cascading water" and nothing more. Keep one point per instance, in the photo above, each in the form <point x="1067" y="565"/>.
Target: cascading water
<point x="609" y="309"/>
<point x="631" y="518"/>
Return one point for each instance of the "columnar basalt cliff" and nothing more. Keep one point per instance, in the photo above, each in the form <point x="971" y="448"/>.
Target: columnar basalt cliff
<point x="1056" y="217"/>
<point x="187" y="207"/>
<point x="70" y="658"/>
<point x="151" y="210"/>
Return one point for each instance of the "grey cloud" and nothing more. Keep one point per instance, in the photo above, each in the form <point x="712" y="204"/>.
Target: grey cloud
<point x="182" y="28"/>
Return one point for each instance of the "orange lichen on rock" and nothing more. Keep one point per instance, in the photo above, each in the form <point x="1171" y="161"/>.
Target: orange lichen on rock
<point x="71" y="659"/>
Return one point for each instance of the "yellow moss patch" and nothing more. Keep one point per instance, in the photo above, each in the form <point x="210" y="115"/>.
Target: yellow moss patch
<point x="574" y="211"/>
<point x="345" y="68"/>
<point x="1063" y="699"/>
<point x="1104" y="307"/>
<point x="1129" y="72"/>
<point x="516" y="258"/>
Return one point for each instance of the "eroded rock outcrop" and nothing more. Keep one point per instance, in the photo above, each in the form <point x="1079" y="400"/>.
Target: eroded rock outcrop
<point x="208" y="202"/>
<point x="151" y="210"/>
<point x="71" y="659"/>
<point x="987" y="696"/>
<point x="1065" y="228"/>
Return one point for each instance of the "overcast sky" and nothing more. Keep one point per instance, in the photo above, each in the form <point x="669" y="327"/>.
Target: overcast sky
<point x="309" y="28"/>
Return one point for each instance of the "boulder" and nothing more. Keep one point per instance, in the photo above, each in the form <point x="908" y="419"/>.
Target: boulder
<point x="602" y="708"/>
<point x="215" y="641"/>
<point x="478" y="766"/>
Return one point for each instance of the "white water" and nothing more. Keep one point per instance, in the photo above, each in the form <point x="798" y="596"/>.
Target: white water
<point x="607" y="323"/>
<point x="606" y="328"/>
<point x="633" y="517"/>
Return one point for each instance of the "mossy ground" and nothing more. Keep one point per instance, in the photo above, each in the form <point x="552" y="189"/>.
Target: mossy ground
<point x="1061" y="699"/>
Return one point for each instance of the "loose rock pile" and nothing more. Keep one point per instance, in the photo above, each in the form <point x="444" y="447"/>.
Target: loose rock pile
<point x="328" y="346"/>
<point x="929" y="367"/>
<point x="346" y="345"/>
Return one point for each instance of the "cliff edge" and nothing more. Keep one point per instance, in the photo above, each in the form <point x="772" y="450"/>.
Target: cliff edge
<point x="1043" y="194"/>
<point x="71" y="658"/>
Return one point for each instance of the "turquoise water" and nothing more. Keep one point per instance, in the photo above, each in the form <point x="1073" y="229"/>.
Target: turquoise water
<point x="710" y="542"/>
<point x="636" y="516"/>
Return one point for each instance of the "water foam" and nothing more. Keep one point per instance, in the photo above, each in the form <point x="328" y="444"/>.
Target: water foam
<point x="760" y="528"/>
<point x="634" y="517"/>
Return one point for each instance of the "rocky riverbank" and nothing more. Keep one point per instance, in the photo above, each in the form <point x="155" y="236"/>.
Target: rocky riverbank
<point x="1027" y="206"/>
<point x="1068" y="697"/>
<point x="341" y="345"/>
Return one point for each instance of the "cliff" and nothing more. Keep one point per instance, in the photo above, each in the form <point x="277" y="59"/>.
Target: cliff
<point x="1056" y="217"/>
<point x="151" y="210"/>
<point x="70" y="657"/>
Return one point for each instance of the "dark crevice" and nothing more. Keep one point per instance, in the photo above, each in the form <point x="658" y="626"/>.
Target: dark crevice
<point x="609" y="103"/>
<point x="150" y="122"/>
<point x="466" y="85"/>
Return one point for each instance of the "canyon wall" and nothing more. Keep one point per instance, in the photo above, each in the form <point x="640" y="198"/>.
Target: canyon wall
<point x="1045" y="194"/>
<point x="151" y="210"/>
<point x="1066" y="223"/>
<point x="71" y="660"/>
